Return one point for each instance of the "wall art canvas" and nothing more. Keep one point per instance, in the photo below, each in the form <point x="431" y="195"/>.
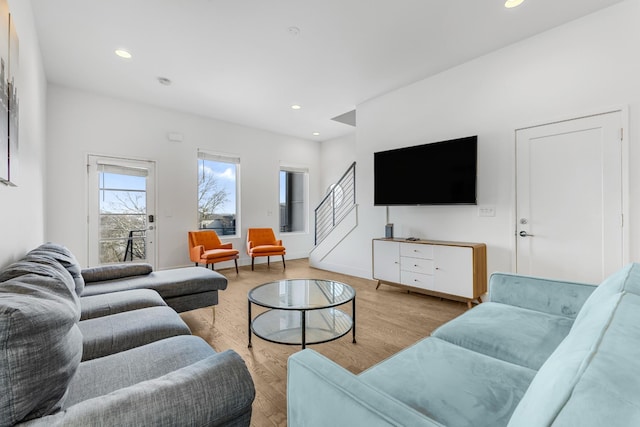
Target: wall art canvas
<point x="4" y="92"/>
<point x="14" y="104"/>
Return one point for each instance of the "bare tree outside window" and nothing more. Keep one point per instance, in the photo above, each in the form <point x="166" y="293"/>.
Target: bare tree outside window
<point x="123" y="218"/>
<point x="216" y="196"/>
<point x="210" y="195"/>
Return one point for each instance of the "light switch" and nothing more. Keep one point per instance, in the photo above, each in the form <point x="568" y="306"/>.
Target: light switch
<point x="486" y="210"/>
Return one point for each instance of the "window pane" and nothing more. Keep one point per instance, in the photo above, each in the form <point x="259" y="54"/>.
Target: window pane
<point x="292" y="201"/>
<point x="120" y="181"/>
<point x="217" y="208"/>
<point x="122" y="215"/>
<point x="122" y="201"/>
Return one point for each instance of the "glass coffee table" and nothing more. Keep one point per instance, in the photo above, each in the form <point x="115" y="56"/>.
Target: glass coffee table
<point x="302" y="311"/>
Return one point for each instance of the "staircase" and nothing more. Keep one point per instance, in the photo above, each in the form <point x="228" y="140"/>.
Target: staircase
<point x="336" y="218"/>
<point x="335" y="206"/>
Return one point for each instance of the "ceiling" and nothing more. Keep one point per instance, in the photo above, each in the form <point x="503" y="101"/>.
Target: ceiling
<point x="248" y="61"/>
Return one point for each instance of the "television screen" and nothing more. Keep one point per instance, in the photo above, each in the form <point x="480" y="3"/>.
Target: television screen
<point x="440" y="173"/>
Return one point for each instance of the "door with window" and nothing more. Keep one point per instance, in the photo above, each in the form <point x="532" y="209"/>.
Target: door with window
<point x="121" y="210"/>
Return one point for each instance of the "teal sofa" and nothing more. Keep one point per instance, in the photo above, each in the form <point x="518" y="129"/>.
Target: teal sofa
<point x="540" y="353"/>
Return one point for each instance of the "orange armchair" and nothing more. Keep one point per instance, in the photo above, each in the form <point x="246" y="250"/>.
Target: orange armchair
<point x="262" y="242"/>
<point x="205" y="247"/>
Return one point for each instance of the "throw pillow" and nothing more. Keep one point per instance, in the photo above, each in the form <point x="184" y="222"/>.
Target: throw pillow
<point x="66" y="258"/>
<point x="41" y="344"/>
<point x="115" y="271"/>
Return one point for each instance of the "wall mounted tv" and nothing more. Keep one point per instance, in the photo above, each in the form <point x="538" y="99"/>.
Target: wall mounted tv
<point x="439" y="173"/>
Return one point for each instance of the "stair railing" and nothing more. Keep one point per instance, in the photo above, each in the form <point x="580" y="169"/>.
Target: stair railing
<point x="336" y="204"/>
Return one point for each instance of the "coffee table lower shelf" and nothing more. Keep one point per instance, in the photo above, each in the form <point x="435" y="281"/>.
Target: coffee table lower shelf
<point x="301" y="327"/>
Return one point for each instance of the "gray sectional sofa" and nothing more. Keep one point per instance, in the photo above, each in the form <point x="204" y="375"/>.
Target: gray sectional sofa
<point x="183" y="289"/>
<point x="113" y="358"/>
<point x="540" y="353"/>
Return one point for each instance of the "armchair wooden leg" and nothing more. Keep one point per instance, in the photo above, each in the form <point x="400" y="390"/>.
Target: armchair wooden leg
<point x="236" y="262"/>
<point x="283" y="264"/>
<point x="196" y="264"/>
<point x="268" y="261"/>
<point x="252" y="259"/>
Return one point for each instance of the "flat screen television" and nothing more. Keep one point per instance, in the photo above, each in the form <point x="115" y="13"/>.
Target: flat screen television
<point x="439" y="173"/>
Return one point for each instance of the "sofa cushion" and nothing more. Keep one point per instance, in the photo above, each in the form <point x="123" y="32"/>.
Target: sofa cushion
<point x="180" y="381"/>
<point x="104" y="375"/>
<point x="115" y="271"/>
<point x="41" y="265"/>
<point x="118" y="302"/>
<point x="176" y="282"/>
<point x="626" y="279"/>
<point x="452" y="385"/>
<point x="593" y="378"/>
<point x="513" y="334"/>
<point x="40" y="343"/>
<point x="122" y="331"/>
<point x="64" y="256"/>
<point x="533" y="293"/>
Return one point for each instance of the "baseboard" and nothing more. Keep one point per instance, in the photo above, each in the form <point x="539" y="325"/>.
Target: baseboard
<point x="343" y="269"/>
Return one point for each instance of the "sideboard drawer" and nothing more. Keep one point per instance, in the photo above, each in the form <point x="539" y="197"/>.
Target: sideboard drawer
<point x="417" y="265"/>
<point x="418" y="280"/>
<point x="416" y="250"/>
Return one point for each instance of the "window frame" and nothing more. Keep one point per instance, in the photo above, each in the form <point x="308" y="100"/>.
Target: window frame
<point x="205" y="155"/>
<point x="305" y="199"/>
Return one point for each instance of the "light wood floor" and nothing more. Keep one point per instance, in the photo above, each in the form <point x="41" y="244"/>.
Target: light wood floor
<point x="388" y="320"/>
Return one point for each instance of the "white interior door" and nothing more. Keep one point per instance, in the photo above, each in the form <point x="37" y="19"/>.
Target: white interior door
<point x="121" y="210"/>
<point x="569" y="199"/>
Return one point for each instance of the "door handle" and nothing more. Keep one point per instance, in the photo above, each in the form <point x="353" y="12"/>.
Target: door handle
<point x="525" y="234"/>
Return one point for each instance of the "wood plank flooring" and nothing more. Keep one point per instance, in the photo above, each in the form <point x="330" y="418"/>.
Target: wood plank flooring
<point x="388" y="320"/>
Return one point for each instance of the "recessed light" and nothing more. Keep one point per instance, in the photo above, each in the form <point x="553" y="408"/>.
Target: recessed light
<point x="512" y="3"/>
<point x="316" y="134"/>
<point x="123" y="53"/>
<point x="295" y="107"/>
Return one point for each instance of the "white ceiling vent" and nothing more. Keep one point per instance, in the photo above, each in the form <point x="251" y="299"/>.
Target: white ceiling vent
<point x="348" y="118"/>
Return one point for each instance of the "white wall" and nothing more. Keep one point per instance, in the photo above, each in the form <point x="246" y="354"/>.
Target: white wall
<point x="582" y="67"/>
<point x="82" y="123"/>
<point x="336" y="156"/>
<point x="22" y="207"/>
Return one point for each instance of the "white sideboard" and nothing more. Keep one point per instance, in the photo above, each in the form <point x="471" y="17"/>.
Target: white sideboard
<point x="454" y="270"/>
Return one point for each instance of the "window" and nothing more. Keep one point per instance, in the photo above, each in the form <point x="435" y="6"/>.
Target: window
<point x="293" y="195"/>
<point x="218" y="193"/>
